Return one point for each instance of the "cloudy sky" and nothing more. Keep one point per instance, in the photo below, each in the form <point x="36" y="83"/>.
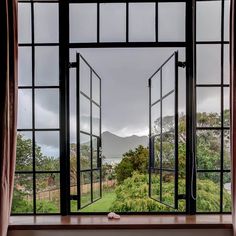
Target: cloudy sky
<point x="124" y="72"/>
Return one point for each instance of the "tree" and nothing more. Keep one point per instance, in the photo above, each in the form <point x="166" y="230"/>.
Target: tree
<point x="136" y="160"/>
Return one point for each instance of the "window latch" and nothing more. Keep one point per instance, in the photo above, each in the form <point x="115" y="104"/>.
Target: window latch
<point x="72" y="64"/>
<point x="181" y="64"/>
<point x="181" y="196"/>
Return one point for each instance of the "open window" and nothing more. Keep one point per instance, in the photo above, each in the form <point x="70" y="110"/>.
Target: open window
<point x="88" y="145"/>
<point x="163" y="131"/>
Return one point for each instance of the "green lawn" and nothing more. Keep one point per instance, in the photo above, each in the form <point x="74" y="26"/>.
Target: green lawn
<point x="102" y="205"/>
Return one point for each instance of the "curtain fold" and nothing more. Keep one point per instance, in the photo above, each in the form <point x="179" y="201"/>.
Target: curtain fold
<point x="8" y="107"/>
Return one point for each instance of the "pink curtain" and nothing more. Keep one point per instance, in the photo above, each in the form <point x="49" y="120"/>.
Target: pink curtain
<point x="8" y="107"/>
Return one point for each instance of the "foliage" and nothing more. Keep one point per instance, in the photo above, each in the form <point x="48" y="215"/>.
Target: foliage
<point x="136" y="160"/>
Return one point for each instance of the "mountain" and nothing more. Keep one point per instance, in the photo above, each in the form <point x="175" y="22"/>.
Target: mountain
<point x="113" y="146"/>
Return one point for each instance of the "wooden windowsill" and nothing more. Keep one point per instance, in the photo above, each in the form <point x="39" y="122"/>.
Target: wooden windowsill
<point x="93" y="222"/>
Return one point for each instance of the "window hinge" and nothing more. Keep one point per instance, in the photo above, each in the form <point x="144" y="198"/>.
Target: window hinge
<point x="181" y="64"/>
<point x="181" y="196"/>
<point x="72" y="64"/>
<point x="149" y="83"/>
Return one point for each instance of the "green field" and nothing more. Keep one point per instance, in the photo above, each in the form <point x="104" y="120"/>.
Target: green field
<point x="102" y="205"/>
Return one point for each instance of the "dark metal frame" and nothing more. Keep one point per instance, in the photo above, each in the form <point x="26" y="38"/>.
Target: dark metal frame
<point x="64" y="47"/>
<point x="152" y="137"/>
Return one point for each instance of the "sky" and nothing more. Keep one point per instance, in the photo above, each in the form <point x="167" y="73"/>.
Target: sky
<point x="124" y="72"/>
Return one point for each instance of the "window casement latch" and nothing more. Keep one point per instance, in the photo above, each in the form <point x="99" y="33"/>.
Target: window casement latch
<point x="72" y="64"/>
<point x="181" y="64"/>
<point x="181" y="196"/>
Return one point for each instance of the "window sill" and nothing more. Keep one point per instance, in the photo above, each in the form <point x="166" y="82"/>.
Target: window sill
<point x="93" y="222"/>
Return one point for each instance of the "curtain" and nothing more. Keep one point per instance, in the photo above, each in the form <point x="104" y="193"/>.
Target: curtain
<point x="8" y="107"/>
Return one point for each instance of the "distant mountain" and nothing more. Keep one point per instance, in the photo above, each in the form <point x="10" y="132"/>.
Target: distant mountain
<point x="114" y="147"/>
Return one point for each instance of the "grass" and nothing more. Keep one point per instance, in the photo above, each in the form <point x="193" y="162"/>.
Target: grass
<point x="102" y="205"/>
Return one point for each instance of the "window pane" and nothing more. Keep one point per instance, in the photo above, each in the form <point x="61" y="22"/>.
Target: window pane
<point x="47" y="150"/>
<point x="208" y="64"/>
<point x="23" y="194"/>
<point x="168" y="114"/>
<point x="47" y="66"/>
<point x="25" y="66"/>
<point x="226" y="19"/>
<point x="155" y="119"/>
<point x="226" y="64"/>
<point x="24" y="151"/>
<point x="168" y="188"/>
<point x="168" y="76"/>
<point x="226" y="107"/>
<point x="96" y="120"/>
<point x="208" y="16"/>
<point x="47" y="108"/>
<point x="155" y="184"/>
<point x="171" y="21"/>
<point x="85" y="188"/>
<point x="208" y="192"/>
<point x="96" y="88"/>
<point x="208" y="107"/>
<point x="48" y="193"/>
<point x="85" y="152"/>
<point x="227" y="203"/>
<point x="83" y="23"/>
<point x="24" y="23"/>
<point x="155" y="87"/>
<point x="96" y="185"/>
<point x="227" y="158"/>
<point x="157" y="151"/>
<point x="95" y="152"/>
<point x="24" y="109"/>
<point x="141" y="22"/>
<point x="112" y="22"/>
<point x="84" y="77"/>
<point x="208" y="149"/>
<point x="84" y="114"/>
<point x="46" y="22"/>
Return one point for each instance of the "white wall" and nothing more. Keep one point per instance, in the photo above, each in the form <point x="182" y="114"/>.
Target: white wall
<point x="157" y="232"/>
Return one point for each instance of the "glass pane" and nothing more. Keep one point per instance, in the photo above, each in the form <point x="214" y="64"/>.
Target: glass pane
<point x="84" y="77"/>
<point x="208" y="16"/>
<point x="168" y="188"/>
<point x="85" y="188"/>
<point x="96" y="185"/>
<point x="24" y="151"/>
<point x="112" y="22"/>
<point x="208" y="107"/>
<point x="227" y="203"/>
<point x="208" y="192"/>
<point x="24" y="109"/>
<point x="155" y="184"/>
<point x="227" y="158"/>
<point x="226" y="19"/>
<point x="171" y="21"/>
<point x="208" y="149"/>
<point x="95" y="152"/>
<point x="25" y="66"/>
<point x="226" y="107"/>
<point x="155" y="87"/>
<point x="96" y="88"/>
<point x="46" y="108"/>
<point x="168" y="133"/>
<point x="168" y="77"/>
<point x="83" y="23"/>
<point x="24" y="23"/>
<point x="47" y="66"/>
<point x="47" y="150"/>
<point x="85" y="151"/>
<point x="155" y="119"/>
<point x="23" y="194"/>
<point x="226" y="64"/>
<point x="84" y="114"/>
<point x="208" y="64"/>
<point x="48" y="193"/>
<point x="46" y="22"/>
<point x="157" y="151"/>
<point x="141" y="22"/>
<point x="96" y="120"/>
